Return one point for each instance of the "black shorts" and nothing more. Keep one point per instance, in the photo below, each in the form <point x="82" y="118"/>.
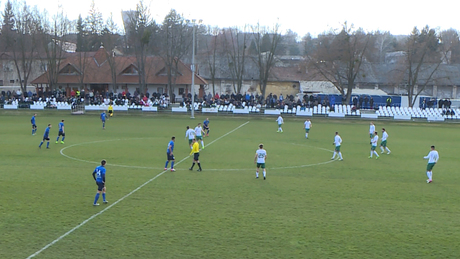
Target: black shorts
<point x="196" y="156"/>
<point x="46" y="138"/>
<point x="205" y="127"/>
<point x="61" y="134"/>
<point x="170" y="157"/>
<point x="110" y="111"/>
<point x="100" y="186"/>
<point x="34" y="126"/>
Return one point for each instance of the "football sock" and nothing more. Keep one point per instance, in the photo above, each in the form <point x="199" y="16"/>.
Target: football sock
<point x="199" y="166"/>
<point x="96" y="198"/>
<point x="375" y="152"/>
<point x="381" y="148"/>
<point x="202" y="143"/>
<point x="387" y="149"/>
<point x="63" y="138"/>
<point x="166" y="165"/>
<point x="372" y="152"/>
<point x="428" y="174"/>
<point x="431" y="176"/>
<point x="172" y="164"/>
<point x="306" y="135"/>
<point x="33" y="132"/>
<point x="47" y="144"/>
<point x="340" y="155"/>
<point x="193" y="165"/>
<point x="257" y="174"/>
<point x="265" y="173"/>
<point x="333" y="156"/>
<point x="103" y="196"/>
<point x="41" y="143"/>
<point x="103" y="124"/>
<point x="57" y="139"/>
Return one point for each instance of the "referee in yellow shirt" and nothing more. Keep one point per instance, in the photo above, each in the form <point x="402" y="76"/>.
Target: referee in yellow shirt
<point x="196" y="155"/>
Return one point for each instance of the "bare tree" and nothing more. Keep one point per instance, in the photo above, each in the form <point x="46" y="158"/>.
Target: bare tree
<point x="175" y="41"/>
<point x="422" y="59"/>
<point x="109" y="38"/>
<point x="53" y="36"/>
<point x="338" y="58"/>
<point x="25" y="42"/>
<point x="266" y="50"/>
<point x="212" y="54"/>
<point x="94" y="26"/>
<point x="235" y="46"/>
<point x="139" y="32"/>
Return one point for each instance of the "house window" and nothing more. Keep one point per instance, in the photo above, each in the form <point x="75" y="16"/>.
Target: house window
<point x="1" y="82"/>
<point x="160" y="90"/>
<point x="11" y="81"/>
<point x="181" y="91"/>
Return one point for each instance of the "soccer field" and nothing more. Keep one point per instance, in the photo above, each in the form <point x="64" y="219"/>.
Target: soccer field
<point x="309" y="207"/>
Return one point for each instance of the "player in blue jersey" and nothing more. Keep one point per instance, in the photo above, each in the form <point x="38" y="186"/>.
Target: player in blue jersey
<point x="34" y="126"/>
<point x="206" y="126"/>
<point x="99" y="177"/>
<point x="103" y="117"/>
<point x="46" y="136"/>
<point x="170" y="155"/>
<point x="61" y="132"/>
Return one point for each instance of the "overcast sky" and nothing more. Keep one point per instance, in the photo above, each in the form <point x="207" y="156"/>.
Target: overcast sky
<point x="398" y="17"/>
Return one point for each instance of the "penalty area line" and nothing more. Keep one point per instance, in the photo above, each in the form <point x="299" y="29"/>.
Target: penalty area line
<point x="124" y="197"/>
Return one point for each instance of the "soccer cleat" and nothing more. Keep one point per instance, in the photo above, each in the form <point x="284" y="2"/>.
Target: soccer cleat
<point x="381" y="152"/>
<point x="202" y="148"/>
<point x="257" y="177"/>
<point x="40" y="147"/>
<point x="341" y="159"/>
<point x="173" y="170"/>
<point x="377" y="157"/>
<point x="199" y="170"/>
<point x="370" y="157"/>
<point x="264" y="178"/>
<point x="332" y="158"/>
<point x="388" y="153"/>
<point x="105" y="202"/>
<point x="429" y="181"/>
<point x="62" y="142"/>
<point x="95" y="204"/>
<point x="166" y="169"/>
<point x="48" y="147"/>
<point x="190" y="169"/>
<point x="56" y="142"/>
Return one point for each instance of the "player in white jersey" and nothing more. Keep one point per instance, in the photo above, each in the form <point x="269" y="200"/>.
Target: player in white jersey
<point x="374" y="141"/>
<point x="433" y="158"/>
<point x="337" y="143"/>
<point x="190" y="134"/>
<point x="280" y="121"/>
<point x="198" y="136"/>
<point x="371" y="129"/>
<point x="307" y="125"/>
<point x="259" y="159"/>
<point x="383" y="143"/>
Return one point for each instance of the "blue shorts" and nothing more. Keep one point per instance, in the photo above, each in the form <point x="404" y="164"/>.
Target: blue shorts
<point x="100" y="186"/>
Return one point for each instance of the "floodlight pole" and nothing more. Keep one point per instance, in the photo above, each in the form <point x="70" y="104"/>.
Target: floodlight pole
<point x="193" y="74"/>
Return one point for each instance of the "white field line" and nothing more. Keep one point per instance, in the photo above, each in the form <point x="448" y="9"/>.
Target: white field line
<point x="122" y="198"/>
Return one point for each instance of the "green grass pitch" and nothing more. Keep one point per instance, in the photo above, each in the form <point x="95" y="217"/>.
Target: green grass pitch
<point x="309" y="206"/>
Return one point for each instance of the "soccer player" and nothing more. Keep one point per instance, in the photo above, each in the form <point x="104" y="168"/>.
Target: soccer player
<point x="307" y="125"/>
<point x="433" y="158"/>
<point x="110" y="109"/>
<point x="337" y="142"/>
<point x="196" y="154"/>
<point x="99" y="177"/>
<point x="170" y="155"/>
<point x="46" y="136"/>
<point x="383" y="144"/>
<point x="103" y="117"/>
<point x="206" y="126"/>
<point x="34" y="126"/>
<point x="259" y="158"/>
<point x="371" y="129"/>
<point x="61" y="132"/>
<point x="280" y="121"/>
<point x="374" y="142"/>
<point x="198" y="136"/>
<point x="190" y="133"/>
